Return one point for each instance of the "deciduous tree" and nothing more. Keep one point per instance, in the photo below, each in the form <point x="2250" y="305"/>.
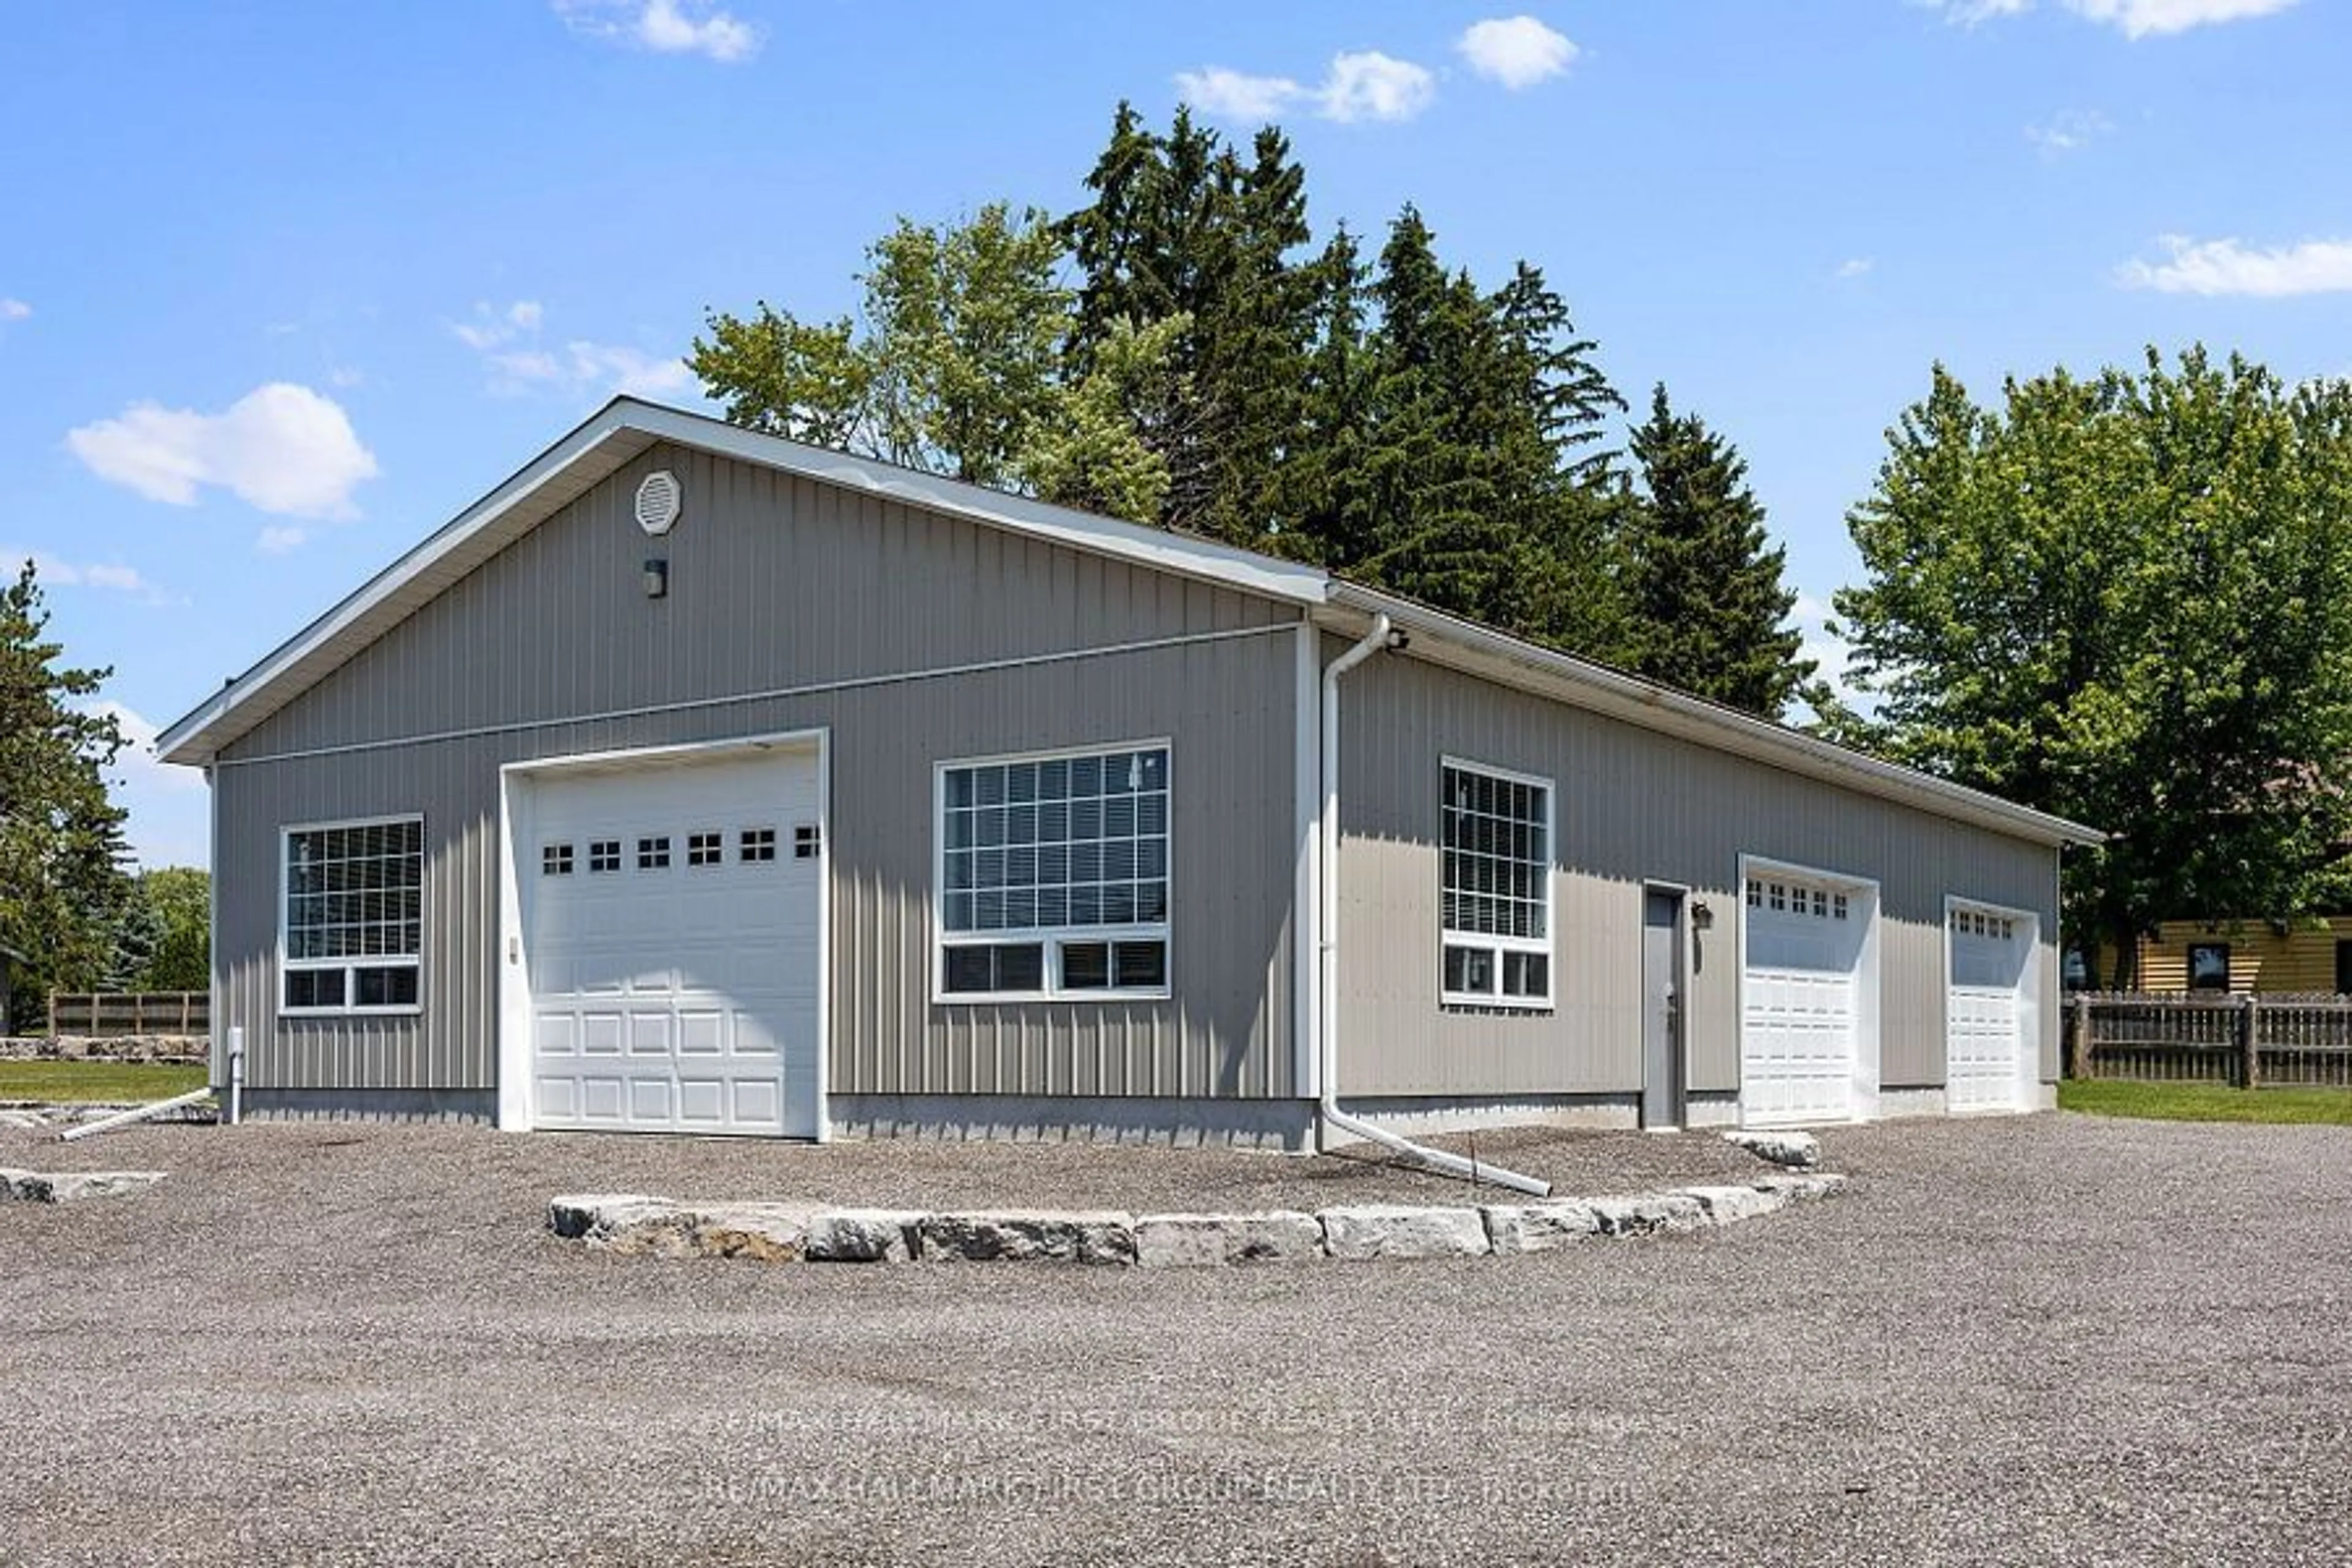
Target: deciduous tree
<point x="2126" y="599"/>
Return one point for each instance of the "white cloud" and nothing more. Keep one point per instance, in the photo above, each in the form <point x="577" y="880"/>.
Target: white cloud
<point x="168" y="805"/>
<point x="346" y="375"/>
<point x="2069" y="131"/>
<point x="1369" y="85"/>
<point x="508" y="340"/>
<point x="2134" y="18"/>
<point x="1856" y="265"/>
<point x="56" y="572"/>
<point x="1516" y="51"/>
<point x="1235" y="95"/>
<point x="1364" y="85"/>
<point x="14" y="310"/>
<point x="2228" y="267"/>
<point x="623" y="369"/>
<point x="664" y="27"/>
<point x="491" y="326"/>
<point x="585" y="366"/>
<point x="282" y="449"/>
<point x="279" y="538"/>
<point x="1828" y="651"/>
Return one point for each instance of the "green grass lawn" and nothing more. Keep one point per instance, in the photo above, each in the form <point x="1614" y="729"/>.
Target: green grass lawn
<point x="2206" y="1102"/>
<point x="131" y="1082"/>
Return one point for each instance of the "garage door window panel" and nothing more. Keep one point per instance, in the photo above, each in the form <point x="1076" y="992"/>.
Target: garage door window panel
<point x="353" y="917"/>
<point x="1053" y="876"/>
<point x="1495" y="842"/>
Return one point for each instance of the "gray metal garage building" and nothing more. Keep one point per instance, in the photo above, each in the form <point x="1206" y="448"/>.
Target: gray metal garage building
<point x="696" y="780"/>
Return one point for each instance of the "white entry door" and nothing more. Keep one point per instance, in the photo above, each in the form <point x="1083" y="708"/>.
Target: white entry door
<point x="670" y="912"/>
<point x="1800" y="1003"/>
<point x="1987" y="1010"/>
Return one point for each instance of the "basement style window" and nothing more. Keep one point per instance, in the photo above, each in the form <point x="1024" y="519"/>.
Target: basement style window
<point x="353" y="911"/>
<point x="1053" y="876"/>
<point x="1495" y="835"/>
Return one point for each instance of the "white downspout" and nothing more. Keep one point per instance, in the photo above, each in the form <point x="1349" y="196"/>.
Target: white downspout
<point x="1327" y="987"/>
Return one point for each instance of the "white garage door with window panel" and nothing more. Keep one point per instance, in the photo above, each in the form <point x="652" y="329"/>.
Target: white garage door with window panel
<point x="670" y="907"/>
<point x="1991" y="1040"/>
<point x="1807" y="1027"/>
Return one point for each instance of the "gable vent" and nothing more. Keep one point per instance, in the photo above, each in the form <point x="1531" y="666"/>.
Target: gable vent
<point x="659" y="500"/>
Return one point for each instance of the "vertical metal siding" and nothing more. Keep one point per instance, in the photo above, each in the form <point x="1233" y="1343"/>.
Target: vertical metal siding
<point x="775" y="582"/>
<point x="1630" y="805"/>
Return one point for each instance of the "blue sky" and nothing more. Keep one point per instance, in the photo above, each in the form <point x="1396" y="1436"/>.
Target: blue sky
<point x="284" y="286"/>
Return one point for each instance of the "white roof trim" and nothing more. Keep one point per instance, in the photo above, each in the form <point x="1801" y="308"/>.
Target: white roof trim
<point x="627" y="426"/>
<point x="1497" y="656"/>
<point x="618" y="432"/>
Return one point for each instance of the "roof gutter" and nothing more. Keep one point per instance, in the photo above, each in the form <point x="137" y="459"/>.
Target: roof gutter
<point x="1326" y="988"/>
<point x="1660" y="707"/>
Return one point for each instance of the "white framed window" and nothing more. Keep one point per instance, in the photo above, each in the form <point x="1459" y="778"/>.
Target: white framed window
<point x="1494" y="838"/>
<point x="1052" y="876"/>
<point x="351" y="916"/>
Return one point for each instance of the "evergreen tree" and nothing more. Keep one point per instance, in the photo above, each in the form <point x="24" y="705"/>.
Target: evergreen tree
<point x="1478" y="502"/>
<point x="1113" y="240"/>
<point x="62" y="886"/>
<point x="1709" y="612"/>
<point x="1328" y="499"/>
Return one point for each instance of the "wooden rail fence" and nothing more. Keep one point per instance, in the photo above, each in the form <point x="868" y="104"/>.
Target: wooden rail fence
<point x="2290" y="1041"/>
<point x="109" y="1014"/>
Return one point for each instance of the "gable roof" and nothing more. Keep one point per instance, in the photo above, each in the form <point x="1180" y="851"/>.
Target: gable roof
<point x="626" y="427"/>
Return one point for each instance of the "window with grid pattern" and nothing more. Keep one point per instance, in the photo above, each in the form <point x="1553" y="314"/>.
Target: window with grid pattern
<point x="1054" y="875"/>
<point x="1494" y="833"/>
<point x="354" y="916"/>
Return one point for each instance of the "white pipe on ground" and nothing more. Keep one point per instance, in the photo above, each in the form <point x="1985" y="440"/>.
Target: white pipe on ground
<point x="136" y="1113"/>
<point x="236" y="1073"/>
<point x="1326" y="998"/>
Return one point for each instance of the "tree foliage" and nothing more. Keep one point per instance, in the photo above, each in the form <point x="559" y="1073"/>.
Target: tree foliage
<point x="63" y="893"/>
<point x="1209" y="366"/>
<point x="954" y="367"/>
<point x="177" y="905"/>
<point x="2126" y="599"/>
<point x="1709" y="612"/>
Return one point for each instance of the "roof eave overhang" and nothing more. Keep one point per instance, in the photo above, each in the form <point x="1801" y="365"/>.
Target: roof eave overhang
<point x="607" y="440"/>
<point x="1495" y="656"/>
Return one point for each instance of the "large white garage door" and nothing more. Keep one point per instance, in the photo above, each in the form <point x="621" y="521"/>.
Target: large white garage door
<point x="1985" y="1010"/>
<point x="1800" y="1028"/>
<point x="670" y="912"/>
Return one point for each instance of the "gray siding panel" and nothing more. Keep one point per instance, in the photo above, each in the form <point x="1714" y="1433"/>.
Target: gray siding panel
<point x="1630" y="805"/>
<point x="780" y="585"/>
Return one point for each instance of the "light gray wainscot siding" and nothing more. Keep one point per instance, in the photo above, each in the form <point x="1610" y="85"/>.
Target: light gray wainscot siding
<point x="1630" y="805"/>
<point x="786" y="598"/>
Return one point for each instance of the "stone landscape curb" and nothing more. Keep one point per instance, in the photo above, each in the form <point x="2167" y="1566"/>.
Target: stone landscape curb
<point x="1797" y="1150"/>
<point x="32" y="1114"/>
<point x="635" y="1224"/>
<point x="72" y="1186"/>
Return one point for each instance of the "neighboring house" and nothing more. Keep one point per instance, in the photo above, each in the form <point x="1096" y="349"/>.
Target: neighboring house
<point x="2303" y="956"/>
<point x="696" y="780"/>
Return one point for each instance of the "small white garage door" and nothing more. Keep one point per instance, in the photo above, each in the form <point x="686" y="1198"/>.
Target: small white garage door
<point x="1986" y="1017"/>
<point x="1799" y="1027"/>
<point x="670" y="914"/>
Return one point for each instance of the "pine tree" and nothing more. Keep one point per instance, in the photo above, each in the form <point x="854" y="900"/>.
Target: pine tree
<point x="1709" y="610"/>
<point x="1111" y="240"/>
<point x="62" y="886"/>
<point x="1328" y="501"/>
<point x="1253" y="337"/>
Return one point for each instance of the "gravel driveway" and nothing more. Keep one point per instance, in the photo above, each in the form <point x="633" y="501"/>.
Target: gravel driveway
<point x="2053" y="1340"/>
